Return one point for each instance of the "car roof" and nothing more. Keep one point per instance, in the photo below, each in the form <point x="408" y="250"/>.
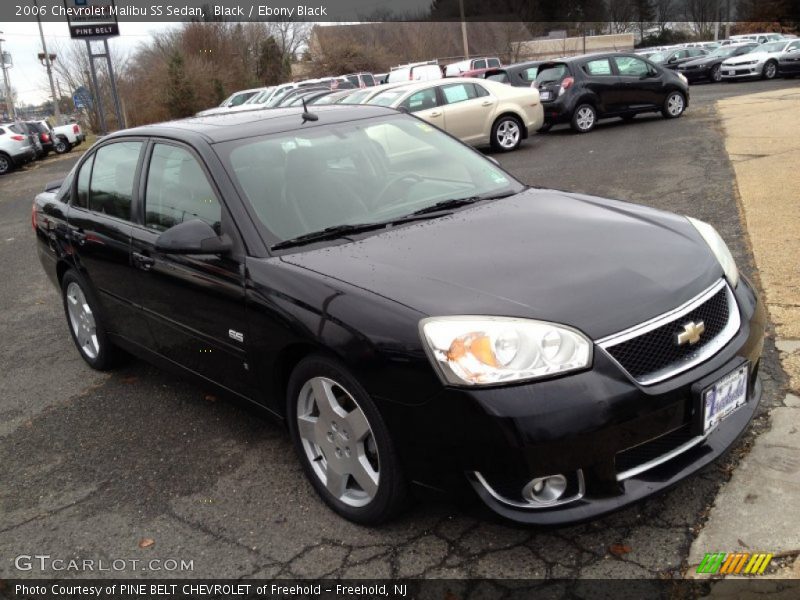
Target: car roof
<point x="259" y="121"/>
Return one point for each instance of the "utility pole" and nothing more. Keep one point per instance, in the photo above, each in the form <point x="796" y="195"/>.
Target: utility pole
<point x="463" y="29"/>
<point x="49" y="66"/>
<point x="9" y="100"/>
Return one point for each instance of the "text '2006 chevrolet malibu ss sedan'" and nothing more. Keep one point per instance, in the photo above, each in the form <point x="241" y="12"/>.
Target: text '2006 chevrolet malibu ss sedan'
<point x="413" y="313"/>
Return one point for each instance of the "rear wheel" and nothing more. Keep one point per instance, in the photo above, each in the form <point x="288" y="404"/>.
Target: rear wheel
<point x="674" y="105"/>
<point x="506" y="134"/>
<point x="716" y="74"/>
<point x="85" y="323"/>
<point x="584" y="118"/>
<point x="770" y="70"/>
<point x="5" y="164"/>
<point x="342" y="442"/>
<point x="61" y="145"/>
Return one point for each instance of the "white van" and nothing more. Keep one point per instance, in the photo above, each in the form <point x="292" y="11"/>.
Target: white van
<point x="485" y="62"/>
<point x="415" y="72"/>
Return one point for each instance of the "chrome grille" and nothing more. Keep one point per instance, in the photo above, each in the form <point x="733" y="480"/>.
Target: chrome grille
<point x="650" y="353"/>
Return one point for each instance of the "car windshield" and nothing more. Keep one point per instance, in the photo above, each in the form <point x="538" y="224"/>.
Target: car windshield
<point x="386" y="97"/>
<point x="356" y="97"/>
<point x="658" y="57"/>
<point x="358" y="172"/>
<point x="770" y="47"/>
<point x="723" y="51"/>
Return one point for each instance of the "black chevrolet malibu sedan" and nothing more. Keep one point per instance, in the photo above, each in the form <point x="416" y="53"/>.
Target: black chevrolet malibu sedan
<point x="413" y="313"/>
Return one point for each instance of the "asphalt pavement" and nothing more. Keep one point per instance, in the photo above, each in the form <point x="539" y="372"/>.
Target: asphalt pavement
<point x="98" y="466"/>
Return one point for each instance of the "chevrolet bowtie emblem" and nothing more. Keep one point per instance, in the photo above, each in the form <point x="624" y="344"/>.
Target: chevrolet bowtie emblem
<point x="691" y="333"/>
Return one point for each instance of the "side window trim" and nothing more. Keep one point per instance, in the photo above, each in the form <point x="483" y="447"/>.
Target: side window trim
<point x="73" y="186"/>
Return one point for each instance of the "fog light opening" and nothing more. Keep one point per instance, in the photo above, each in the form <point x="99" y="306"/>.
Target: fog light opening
<point x="545" y="490"/>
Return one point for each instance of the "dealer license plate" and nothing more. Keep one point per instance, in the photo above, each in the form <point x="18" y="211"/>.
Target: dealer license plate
<point x="724" y="397"/>
<point x="545" y="95"/>
<point x="730" y="72"/>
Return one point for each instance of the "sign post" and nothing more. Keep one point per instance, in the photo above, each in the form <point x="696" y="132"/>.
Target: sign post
<point x="96" y="20"/>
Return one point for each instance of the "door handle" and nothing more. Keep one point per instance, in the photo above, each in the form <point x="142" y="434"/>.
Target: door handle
<point x="486" y="103"/>
<point x="142" y="262"/>
<point x="434" y="114"/>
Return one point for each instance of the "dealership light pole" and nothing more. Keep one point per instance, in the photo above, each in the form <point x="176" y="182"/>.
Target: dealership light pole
<point x="9" y="100"/>
<point x="463" y="29"/>
<point x="49" y="67"/>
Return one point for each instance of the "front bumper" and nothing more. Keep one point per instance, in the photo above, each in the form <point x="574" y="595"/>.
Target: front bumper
<point x="741" y="71"/>
<point x="582" y="426"/>
<point x="696" y="74"/>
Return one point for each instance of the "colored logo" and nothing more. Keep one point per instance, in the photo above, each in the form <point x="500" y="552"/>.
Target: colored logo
<point x="736" y="563"/>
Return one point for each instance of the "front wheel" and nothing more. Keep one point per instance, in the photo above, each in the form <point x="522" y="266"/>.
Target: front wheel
<point x="85" y="323"/>
<point x="506" y="134"/>
<point x="61" y="146"/>
<point x="674" y="105"/>
<point x="342" y="442"/>
<point x="584" y="118"/>
<point x="770" y="70"/>
<point x="716" y="74"/>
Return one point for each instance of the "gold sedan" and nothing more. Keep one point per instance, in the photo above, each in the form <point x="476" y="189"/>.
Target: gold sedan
<point x="478" y="112"/>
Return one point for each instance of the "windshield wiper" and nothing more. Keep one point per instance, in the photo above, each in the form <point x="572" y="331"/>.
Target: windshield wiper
<point x="328" y="233"/>
<point x="457" y="202"/>
<point x="440" y="209"/>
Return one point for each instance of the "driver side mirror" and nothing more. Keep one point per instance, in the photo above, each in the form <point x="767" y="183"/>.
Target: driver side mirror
<point x="673" y="59"/>
<point x="193" y="237"/>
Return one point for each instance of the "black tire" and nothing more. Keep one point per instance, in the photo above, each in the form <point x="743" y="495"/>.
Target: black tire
<point x="107" y="355"/>
<point x="674" y="105"/>
<point x="584" y="118"/>
<point x="391" y="495"/>
<point x="545" y="128"/>
<point x="61" y="145"/>
<point x="716" y="74"/>
<point x="6" y="164"/>
<point x="770" y="70"/>
<point x="506" y="133"/>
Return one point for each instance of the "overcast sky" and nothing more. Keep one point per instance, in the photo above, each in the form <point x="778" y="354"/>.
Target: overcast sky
<point x="22" y="40"/>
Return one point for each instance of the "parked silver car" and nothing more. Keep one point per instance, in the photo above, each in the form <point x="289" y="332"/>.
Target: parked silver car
<point x="16" y="147"/>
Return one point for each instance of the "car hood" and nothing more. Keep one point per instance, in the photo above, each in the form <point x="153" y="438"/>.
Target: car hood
<point x="598" y="265"/>
<point x="758" y="56"/>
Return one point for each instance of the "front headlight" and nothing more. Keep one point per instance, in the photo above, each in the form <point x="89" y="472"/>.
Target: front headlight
<point x="477" y="350"/>
<point x="719" y="248"/>
<point x="683" y="78"/>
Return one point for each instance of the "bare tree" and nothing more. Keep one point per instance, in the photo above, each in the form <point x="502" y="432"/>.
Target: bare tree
<point x="702" y="14"/>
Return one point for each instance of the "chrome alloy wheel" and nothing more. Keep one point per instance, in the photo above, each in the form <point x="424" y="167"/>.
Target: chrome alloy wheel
<point x="675" y="104"/>
<point x="81" y="319"/>
<point x="770" y="70"/>
<point x="338" y="441"/>
<point x="585" y="118"/>
<point x="508" y="133"/>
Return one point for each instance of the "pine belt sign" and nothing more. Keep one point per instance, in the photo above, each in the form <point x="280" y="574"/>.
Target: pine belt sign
<point x="91" y="19"/>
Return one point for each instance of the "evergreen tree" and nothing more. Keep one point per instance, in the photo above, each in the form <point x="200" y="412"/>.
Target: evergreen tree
<point x="180" y="97"/>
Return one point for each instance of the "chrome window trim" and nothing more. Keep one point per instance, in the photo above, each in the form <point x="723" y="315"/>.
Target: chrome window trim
<point x="703" y="354"/>
<point x="530" y="505"/>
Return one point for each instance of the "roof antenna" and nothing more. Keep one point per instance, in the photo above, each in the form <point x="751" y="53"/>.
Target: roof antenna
<point x="307" y="116"/>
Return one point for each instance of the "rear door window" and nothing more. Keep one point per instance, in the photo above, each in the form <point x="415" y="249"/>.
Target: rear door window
<point x="458" y="92"/>
<point x="479" y="64"/>
<point x="111" y="187"/>
<point x="600" y="66"/>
